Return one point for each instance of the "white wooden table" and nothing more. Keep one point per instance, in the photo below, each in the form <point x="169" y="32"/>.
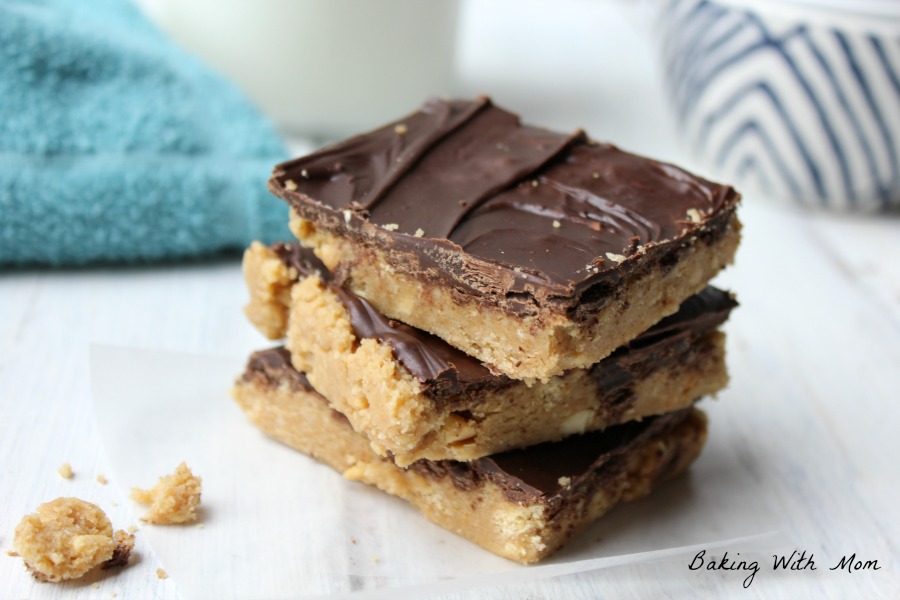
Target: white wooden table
<point x="807" y="434"/>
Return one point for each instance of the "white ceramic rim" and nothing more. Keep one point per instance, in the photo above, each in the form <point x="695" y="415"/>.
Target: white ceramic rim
<point x="875" y="16"/>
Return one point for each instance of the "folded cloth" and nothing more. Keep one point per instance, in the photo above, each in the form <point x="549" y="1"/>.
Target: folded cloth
<point x="115" y="145"/>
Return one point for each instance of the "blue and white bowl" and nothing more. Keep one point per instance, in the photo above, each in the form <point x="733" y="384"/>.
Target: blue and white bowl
<point x="796" y="100"/>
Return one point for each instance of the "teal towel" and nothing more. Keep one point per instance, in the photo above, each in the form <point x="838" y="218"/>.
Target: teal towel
<point x="115" y="145"/>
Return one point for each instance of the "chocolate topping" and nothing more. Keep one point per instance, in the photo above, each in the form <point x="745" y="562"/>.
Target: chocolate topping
<point x="506" y="209"/>
<point x="445" y="371"/>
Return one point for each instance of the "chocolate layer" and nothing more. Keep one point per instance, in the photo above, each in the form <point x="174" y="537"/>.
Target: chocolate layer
<point x="302" y="259"/>
<point x="445" y="371"/>
<point x="463" y="192"/>
<point x="675" y="339"/>
<point x="273" y="366"/>
<point x="542" y="471"/>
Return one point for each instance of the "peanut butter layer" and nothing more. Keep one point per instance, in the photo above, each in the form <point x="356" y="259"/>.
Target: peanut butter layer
<point x="414" y="396"/>
<point x="523" y="504"/>
<point x="533" y="251"/>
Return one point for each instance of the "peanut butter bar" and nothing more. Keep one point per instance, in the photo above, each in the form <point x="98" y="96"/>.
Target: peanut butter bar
<point x="522" y="504"/>
<point x="533" y="251"/>
<point x="414" y="396"/>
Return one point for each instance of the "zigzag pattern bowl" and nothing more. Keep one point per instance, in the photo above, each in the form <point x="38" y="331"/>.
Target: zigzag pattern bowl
<point x="798" y="108"/>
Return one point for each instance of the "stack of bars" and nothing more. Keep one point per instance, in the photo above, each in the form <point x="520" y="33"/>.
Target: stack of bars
<point x="505" y="326"/>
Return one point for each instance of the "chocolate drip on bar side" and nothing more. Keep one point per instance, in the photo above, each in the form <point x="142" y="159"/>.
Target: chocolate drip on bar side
<point x="533" y="474"/>
<point x="446" y="371"/>
<point x="274" y="366"/>
<point x="506" y="209"/>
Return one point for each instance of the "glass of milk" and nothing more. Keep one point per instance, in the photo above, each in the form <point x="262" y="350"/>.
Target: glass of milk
<point x="322" y="68"/>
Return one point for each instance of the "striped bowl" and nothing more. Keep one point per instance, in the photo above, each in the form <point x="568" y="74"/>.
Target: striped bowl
<point x="794" y="101"/>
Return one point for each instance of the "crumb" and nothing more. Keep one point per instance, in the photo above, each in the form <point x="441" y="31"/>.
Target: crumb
<point x="615" y="257"/>
<point x="400" y="129"/>
<point x="556" y="224"/>
<point x="534" y="183"/>
<point x="131" y="528"/>
<point x="290" y="185"/>
<point x="12" y="553"/>
<point x="174" y="498"/>
<point x="595" y="175"/>
<point x="564" y="481"/>
<point x="102" y="480"/>
<point x="66" y="538"/>
<point x="353" y="541"/>
<point x="96" y="585"/>
<point x="304" y="174"/>
<point x="347" y="215"/>
<point x="391" y="226"/>
<point x="517" y="269"/>
<point x="161" y="573"/>
<point x="65" y="471"/>
<point x="419" y="232"/>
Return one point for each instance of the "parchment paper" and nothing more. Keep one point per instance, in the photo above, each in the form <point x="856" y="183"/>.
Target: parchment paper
<point x="276" y="524"/>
